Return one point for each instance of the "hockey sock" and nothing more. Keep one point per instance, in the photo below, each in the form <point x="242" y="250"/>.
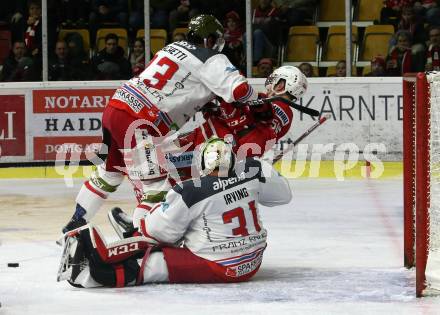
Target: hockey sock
<point x="96" y="190"/>
<point x="79" y="212"/>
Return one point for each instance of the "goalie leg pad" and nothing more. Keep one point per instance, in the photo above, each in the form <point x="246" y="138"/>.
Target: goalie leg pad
<point x="110" y="272"/>
<point x="118" y="251"/>
<point x="88" y="261"/>
<point x="155" y="270"/>
<point x="74" y="265"/>
<point x="114" y="275"/>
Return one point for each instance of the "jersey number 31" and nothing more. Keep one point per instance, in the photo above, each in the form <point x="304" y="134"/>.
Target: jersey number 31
<point x="239" y="213"/>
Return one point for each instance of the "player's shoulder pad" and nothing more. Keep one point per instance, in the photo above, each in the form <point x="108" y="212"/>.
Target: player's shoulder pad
<point x="180" y="187"/>
<point x="200" y="53"/>
<point x="190" y="192"/>
<point x="250" y="167"/>
<point x="195" y="190"/>
<point x="283" y="112"/>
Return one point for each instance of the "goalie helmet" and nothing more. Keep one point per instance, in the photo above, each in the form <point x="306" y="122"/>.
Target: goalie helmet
<point x="216" y="153"/>
<point x="203" y="26"/>
<point x="295" y="81"/>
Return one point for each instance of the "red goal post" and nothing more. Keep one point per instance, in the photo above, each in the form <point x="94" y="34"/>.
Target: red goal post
<point x="421" y="178"/>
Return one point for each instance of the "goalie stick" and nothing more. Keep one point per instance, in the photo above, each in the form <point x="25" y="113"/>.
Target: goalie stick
<point x="290" y="146"/>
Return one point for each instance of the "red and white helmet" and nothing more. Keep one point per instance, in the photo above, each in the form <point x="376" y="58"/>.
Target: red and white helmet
<point x="296" y="82"/>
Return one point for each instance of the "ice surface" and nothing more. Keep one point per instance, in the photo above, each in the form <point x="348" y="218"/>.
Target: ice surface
<point x="336" y="249"/>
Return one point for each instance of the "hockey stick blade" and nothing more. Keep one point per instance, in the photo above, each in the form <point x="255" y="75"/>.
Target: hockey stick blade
<point x="303" y="109"/>
<point x="290" y="147"/>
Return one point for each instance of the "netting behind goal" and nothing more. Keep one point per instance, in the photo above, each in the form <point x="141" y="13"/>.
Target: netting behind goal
<point x="421" y="129"/>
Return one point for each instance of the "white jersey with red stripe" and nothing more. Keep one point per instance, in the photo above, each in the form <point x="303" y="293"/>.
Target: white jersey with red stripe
<point x="218" y="217"/>
<point x="180" y="79"/>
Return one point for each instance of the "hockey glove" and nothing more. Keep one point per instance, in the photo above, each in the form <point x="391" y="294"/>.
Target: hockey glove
<point x="210" y="109"/>
<point x="262" y="113"/>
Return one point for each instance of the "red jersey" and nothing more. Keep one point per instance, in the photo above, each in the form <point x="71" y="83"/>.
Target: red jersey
<point x="249" y="136"/>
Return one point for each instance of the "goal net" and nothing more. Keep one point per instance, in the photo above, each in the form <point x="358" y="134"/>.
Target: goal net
<point x="421" y="156"/>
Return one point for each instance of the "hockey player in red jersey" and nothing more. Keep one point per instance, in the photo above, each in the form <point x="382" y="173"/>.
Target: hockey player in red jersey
<point x="256" y="128"/>
<point x="216" y="216"/>
<point x="252" y="131"/>
<point x="181" y="78"/>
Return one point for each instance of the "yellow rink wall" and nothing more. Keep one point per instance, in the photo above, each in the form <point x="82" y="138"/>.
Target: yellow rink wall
<point x="45" y="172"/>
<point x="338" y="170"/>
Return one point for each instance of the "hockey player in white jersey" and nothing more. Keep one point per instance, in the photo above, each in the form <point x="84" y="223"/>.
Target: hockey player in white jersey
<point x="216" y="217"/>
<point x="254" y="129"/>
<point x="181" y="78"/>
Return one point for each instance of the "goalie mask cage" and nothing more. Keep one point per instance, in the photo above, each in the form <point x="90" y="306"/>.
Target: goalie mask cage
<point x="421" y="179"/>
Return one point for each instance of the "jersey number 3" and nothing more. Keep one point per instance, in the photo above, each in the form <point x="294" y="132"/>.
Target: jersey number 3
<point x="161" y="77"/>
<point x="239" y="213"/>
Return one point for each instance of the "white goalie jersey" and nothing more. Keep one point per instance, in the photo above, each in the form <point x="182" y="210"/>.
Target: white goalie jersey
<point x="180" y="79"/>
<point x="218" y="217"/>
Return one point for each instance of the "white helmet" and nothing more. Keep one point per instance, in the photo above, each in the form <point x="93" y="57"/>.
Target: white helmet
<point x="216" y="153"/>
<point x="296" y="81"/>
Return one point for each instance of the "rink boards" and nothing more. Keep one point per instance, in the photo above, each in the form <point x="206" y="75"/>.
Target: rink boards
<point x="41" y="121"/>
<point x="339" y="170"/>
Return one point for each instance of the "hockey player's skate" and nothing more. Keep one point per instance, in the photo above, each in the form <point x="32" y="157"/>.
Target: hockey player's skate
<point x="73" y="224"/>
<point x="77" y="219"/>
<point x="121" y="222"/>
<point x="73" y="259"/>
